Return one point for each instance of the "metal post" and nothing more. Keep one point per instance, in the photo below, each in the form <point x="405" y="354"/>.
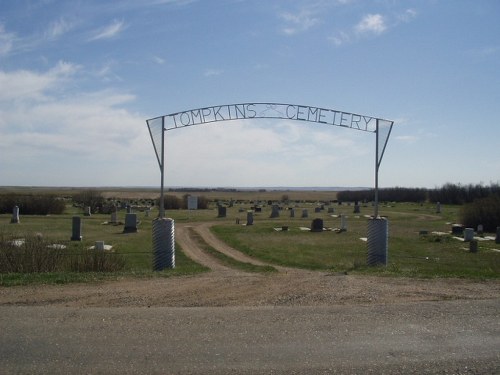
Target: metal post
<point x="376" y="172"/>
<point x="162" y="169"/>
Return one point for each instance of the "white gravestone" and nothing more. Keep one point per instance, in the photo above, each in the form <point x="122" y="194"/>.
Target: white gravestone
<point x="15" y="215"/>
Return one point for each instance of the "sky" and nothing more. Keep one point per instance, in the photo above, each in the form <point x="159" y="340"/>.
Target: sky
<point x="79" y="79"/>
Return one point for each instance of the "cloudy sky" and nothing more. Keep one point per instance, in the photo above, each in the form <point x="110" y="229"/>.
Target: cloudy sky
<point x="78" y="79"/>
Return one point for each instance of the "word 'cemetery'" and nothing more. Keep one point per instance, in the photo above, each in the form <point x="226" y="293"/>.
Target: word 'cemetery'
<point x="270" y="110"/>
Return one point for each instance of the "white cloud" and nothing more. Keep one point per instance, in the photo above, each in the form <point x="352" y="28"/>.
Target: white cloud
<point x="58" y="28"/>
<point x="110" y="31"/>
<point x="371" y="23"/>
<point x="158" y="60"/>
<point x="298" y="22"/>
<point x="24" y="84"/>
<point x="407" y="15"/>
<point x="213" y="72"/>
<point x="45" y="129"/>
<point x="6" y="41"/>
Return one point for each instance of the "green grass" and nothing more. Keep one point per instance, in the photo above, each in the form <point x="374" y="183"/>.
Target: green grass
<point x="409" y="253"/>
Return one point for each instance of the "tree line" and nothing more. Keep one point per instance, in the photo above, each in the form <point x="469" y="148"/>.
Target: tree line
<point x="447" y="194"/>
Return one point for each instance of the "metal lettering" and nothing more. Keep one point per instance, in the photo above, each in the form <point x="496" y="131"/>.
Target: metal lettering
<point x="251" y="110"/>
<point x="299" y="112"/>
<point x="314" y="112"/>
<point x="239" y="111"/>
<point x="270" y="110"/>
<point x="366" y="122"/>
<point x="217" y="115"/>
<point x="205" y="112"/>
<point x="321" y="116"/>
<point x="343" y="119"/>
<point x="358" y="119"/>
<point x="185" y="115"/>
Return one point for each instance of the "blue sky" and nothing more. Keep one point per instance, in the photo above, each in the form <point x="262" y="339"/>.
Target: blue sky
<point x="78" y="79"/>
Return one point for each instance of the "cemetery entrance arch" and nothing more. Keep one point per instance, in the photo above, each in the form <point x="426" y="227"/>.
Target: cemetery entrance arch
<point x="158" y="126"/>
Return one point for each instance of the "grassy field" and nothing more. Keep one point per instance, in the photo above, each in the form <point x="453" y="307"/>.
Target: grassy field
<point x="410" y="254"/>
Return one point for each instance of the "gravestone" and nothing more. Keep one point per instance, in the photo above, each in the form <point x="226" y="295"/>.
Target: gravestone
<point x="275" y="211"/>
<point x="76" y="228"/>
<point x="331" y="210"/>
<point x="438" y="208"/>
<point x="468" y="234"/>
<point x="457" y="229"/>
<point x="87" y="211"/>
<point x="357" y="208"/>
<point x="258" y="209"/>
<point x="317" y="225"/>
<point x="129" y="209"/>
<point x="317" y="209"/>
<point x="249" y="218"/>
<point x="473" y="246"/>
<point x="130" y="223"/>
<point x="192" y="202"/>
<point x="292" y="212"/>
<point x="114" y="216"/>
<point x="15" y="215"/>
<point x="343" y="223"/>
<point x="99" y="245"/>
<point x="480" y="230"/>
<point x="497" y="238"/>
<point x="221" y="211"/>
<point x="147" y="212"/>
<point x="304" y="213"/>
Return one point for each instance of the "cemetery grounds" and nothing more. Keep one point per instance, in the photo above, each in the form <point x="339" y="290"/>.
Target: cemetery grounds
<point x="222" y="263"/>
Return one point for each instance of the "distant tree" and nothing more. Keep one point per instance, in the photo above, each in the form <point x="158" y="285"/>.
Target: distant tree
<point x="90" y="198"/>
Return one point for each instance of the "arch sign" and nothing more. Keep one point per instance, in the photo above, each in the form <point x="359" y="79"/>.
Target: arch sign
<point x="248" y="111"/>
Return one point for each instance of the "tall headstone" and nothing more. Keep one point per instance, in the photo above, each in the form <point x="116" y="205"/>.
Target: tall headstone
<point x="129" y="209"/>
<point x="249" y="217"/>
<point x="192" y="202"/>
<point x="114" y="217"/>
<point x="480" y="230"/>
<point x="497" y="238"/>
<point x="76" y="233"/>
<point x="292" y="212"/>
<point x="275" y="211"/>
<point x="87" y="211"/>
<point x="317" y="225"/>
<point x="130" y="223"/>
<point x="343" y="223"/>
<point x="304" y="213"/>
<point x="357" y="208"/>
<point x="438" y="208"/>
<point x="221" y="211"/>
<point x="15" y="215"/>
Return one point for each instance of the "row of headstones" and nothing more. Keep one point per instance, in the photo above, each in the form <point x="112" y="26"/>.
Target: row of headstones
<point x="316" y="225"/>
<point x="129" y="211"/>
<point x="222" y="211"/>
<point x="130" y="226"/>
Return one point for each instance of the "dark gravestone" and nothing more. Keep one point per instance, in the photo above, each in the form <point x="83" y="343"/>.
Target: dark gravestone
<point x="275" y="211"/>
<point x="221" y="211"/>
<point x="457" y="229"/>
<point x="130" y="223"/>
<point x="249" y="218"/>
<point x="76" y="228"/>
<point x="317" y="225"/>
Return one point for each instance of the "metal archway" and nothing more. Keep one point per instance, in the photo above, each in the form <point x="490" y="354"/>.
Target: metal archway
<point x="157" y="126"/>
